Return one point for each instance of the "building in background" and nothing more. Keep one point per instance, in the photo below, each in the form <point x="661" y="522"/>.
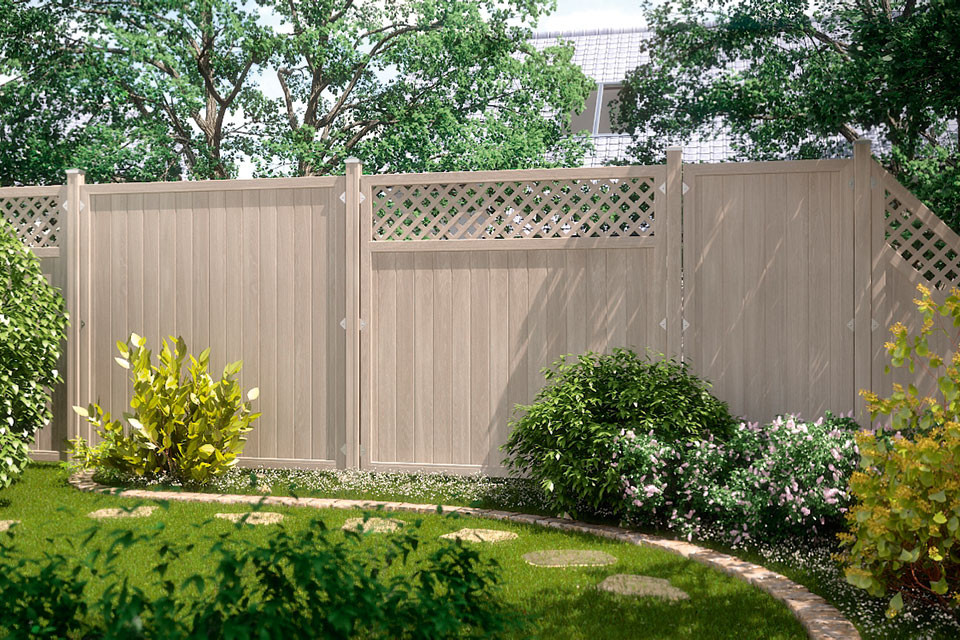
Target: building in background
<point x="606" y="56"/>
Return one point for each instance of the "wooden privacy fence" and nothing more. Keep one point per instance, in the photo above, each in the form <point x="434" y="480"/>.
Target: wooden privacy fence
<point x="394" y="321"/>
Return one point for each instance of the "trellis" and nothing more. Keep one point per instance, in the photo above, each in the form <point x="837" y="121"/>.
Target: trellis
<point x="575" y="208"/>
<point x="34" y="218"/>
<point x="918" y="236"/>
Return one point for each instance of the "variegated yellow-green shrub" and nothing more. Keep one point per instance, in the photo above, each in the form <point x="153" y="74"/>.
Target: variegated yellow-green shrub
<point x="904" y="529"/>
<point x="187" y="428"/>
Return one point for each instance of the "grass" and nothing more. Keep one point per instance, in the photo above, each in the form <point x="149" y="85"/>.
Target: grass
<point x="555" y="602"/>
<point x="806" y="562"/>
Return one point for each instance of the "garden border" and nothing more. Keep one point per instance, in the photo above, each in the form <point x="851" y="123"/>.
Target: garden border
<point x="821" y="620"/>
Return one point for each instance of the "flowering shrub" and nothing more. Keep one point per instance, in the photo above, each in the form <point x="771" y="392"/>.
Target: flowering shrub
<point x="904" y="536"/>
<point x="785" y="478"/>
<point x="564" y="440"/>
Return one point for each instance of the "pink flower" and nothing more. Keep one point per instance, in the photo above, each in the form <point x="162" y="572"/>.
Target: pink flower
<point x="651" y="490"/>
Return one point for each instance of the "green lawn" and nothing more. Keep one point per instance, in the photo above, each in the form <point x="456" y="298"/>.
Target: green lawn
<point x="806" y="562"/>
<point x="555" y="602"/>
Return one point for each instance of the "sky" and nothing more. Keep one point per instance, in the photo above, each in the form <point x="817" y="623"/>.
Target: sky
<point x="577" y="15"/>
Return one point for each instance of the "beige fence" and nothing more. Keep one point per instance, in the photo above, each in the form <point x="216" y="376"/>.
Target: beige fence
<point x="394" y="321"/>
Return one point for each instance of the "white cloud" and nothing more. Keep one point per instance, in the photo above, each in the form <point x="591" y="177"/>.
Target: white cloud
<point x="578" y="15"/>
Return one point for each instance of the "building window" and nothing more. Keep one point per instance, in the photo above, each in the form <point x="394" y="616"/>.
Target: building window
<point x="610" y="92"/>
<point x="584" y="121"/>
<point x="595" y="117"/>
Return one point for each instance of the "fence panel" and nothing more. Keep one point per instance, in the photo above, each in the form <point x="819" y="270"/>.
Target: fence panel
<point x="252" y="269"/>
<point x="474" y="282"/>
<point x="36" y="215"/>
<point x="768" y="285"/>
<point x="912" y="246"/>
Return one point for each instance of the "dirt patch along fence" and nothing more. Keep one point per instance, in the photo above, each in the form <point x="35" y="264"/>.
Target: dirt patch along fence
<point x="393" y="321"/>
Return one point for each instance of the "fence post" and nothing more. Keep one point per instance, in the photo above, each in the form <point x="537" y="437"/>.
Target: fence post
<point x="673" y="214"/>
<point x="862" y="274"/>
<point x="70" y="259"/>
<point x="352" y="200"/>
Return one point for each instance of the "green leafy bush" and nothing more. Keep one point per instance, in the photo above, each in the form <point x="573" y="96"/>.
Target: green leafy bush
<point x="188" y="429"/>
<point x="304" y="585"/>
<point x="904" y="530"/>
<point x="32" y="324"/>
<point x="565" y="439"/>
<point x="14" y="456"/>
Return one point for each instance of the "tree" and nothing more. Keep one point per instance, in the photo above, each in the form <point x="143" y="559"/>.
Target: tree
<point x="56" y="111"/>
<point x="404" y="85"/>
<point x="802" y="79"/>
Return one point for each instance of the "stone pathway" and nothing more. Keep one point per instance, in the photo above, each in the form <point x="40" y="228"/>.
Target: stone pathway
<point x="821" y="620"/>
<point x="642" y="586"/>
<point x="372" y="525"/>
<point x="569" y="558"/>
<point x="139" y="512"/>
<point x="252" y="517"/>
<point x="6" y="524"/>
<point x="480" y="535"/>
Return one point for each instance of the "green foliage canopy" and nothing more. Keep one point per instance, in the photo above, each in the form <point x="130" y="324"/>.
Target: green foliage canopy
<point x="799" y="79"/>
<point x="160" y="86"/>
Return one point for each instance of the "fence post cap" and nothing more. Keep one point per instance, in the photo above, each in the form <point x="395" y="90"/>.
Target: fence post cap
<point x="677" y="148"/>
<point x="862" y="140"/>
<point x="352" y="160"/>
<point x="75" y="172"/>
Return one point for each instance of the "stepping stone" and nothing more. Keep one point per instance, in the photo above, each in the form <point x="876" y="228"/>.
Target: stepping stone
<point x="569" y="558"/>
<point x="372" y="525"/>
<point x="252" y="517"/>
<point x="642" y="586"/>
<point x="139" y="512"/>
<point x="6" y="524"/>
<point x="480" y="535"/>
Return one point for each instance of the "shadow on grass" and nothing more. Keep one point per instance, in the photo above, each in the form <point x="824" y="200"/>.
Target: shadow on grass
<point x="711" y="612"/>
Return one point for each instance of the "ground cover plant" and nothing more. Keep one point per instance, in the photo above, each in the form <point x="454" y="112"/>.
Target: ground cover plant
<point x="186" y="427"/>
<point x="904" y="539"/>
<point x="32" y="325"/>
<point x="566" y="438"/>
<point x="554" y="603"/>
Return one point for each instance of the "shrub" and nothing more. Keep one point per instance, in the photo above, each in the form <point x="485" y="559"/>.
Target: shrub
<point x="186" y="428"/>
<point x="904" y="530"/>
<point x="303" y="585"/>
<point x="14" y="456"/>
<point x="565" y="439"/>
<point x="788" y="478"/>
<point x="32" y="324"/>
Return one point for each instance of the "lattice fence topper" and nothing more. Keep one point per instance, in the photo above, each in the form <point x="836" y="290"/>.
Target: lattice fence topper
<point x="35" y="219"/>
<point x="585" y="208"/>
<point x="932" y="254"/>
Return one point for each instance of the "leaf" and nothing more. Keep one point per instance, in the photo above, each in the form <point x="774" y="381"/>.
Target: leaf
<point x="81" y="411"/>
<point x="896" y="604"/>
<point x="123" y="363"/>
<point x="253" y="394"/>
<point x="207" y="449"/>
<point x="939" y="518"/>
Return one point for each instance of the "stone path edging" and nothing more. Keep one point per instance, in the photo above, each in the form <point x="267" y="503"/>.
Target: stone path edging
<point x="821" y="620"/>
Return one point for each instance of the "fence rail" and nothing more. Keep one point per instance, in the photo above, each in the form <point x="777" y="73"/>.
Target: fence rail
<point x="393" y="321"/>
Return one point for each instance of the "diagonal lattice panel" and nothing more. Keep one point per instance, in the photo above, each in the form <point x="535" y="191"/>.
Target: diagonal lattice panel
<point x="931" y="254"/>
<point x="35" y="219"/>
<point x="584" y="208"/>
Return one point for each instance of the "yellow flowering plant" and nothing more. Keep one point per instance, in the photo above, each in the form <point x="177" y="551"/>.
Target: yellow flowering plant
<point x="904" y="528"/>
